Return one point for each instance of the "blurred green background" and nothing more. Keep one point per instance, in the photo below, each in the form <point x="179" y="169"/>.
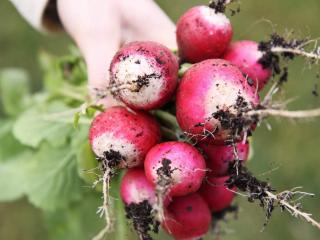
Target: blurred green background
<point x="291" y="146"/>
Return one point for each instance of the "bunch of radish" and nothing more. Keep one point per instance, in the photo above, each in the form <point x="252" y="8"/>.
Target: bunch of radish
<point x="180" y="183"/>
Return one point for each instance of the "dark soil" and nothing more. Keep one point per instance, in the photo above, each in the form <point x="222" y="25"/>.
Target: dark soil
<point x="218" y="5"/>
<point x="111" y="159"/>
<point x="165" y="170"/>
<point x="141" y="215"/>
<point x="164" y="179"/>
<point x="221" y="216"/>
<point x="144" y="81"/>
<point x="284" y="76"/>
<point x="236" y="123"/>
<point x="235" y="11"/>
<point x="272" y="60"/>
<point x="278" y="41"/>
<point x="256" y="189"/>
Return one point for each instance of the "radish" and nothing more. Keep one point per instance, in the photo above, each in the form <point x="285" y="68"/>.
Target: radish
<point x="219" y="158"/>
<point x="210" y="101"/>
<point x="187" y="217"/>
<point x="139" y="198"/>
<point x="122" y="138"/>
<point x="135" y="187"/>
<point x="246" y="56"/>
<point x="216" y="194"/>
<point x="203" y="33"/>
<point x="144" y="75"/>
<point x="180" y="162"/>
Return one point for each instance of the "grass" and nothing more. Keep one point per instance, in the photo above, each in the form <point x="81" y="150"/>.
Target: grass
<point x="293" y="147"/>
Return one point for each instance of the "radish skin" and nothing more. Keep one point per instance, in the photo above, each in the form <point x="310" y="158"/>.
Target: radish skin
<point x="135" y="187"/>
<point x="246" y="55"/>
<point x="144" y="75"/>
<point x="127" y="133"/>
<point x="187" y="217"/>
<point x="219" y="157"/>
<point x="216" y="194"/>
<point x="187" y="165"/>
<point x="208" y="88"/>
<point x="203" y="34"/>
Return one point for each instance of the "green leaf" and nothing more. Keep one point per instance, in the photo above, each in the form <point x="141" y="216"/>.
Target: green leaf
<point x="184" y="68"/>
<point x="51" y="178"/>
<point x="14" y="90"/>
<point x="87" y="164"/>
<point x="10" y="147"/>
<point x="62" y="72"/>
<point x="12" y="172"/>
<point x="88" y="112"/>
<point x="79" y="221"/>
<point x="53" y="79"/>
<point x="37" y="124"/>
<point x="48" y="177"/>
<point x="92" y="109"/>
<point x="76" y="119"/>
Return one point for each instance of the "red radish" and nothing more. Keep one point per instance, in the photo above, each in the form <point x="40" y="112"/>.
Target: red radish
<point x="202" y="33"/>
<point x="135" y="187"/>
<point x="139" y="198"/>
<point x="186" y="166"/>
<point x="187" y="217"/>
<point x="220" y="157"/>
<point x="144" y="75"/>
<point x="246" y="56"/>
<point x="216" y="194"/>
<point x="210" y="97"/>
<point x="122" y="138"/>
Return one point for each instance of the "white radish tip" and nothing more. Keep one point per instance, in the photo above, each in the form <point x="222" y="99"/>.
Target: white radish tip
<point x="218" y="19"/>
<point x="141" y="79"/>
<point x="107" y="142"/>
<point x="223" y="95"/>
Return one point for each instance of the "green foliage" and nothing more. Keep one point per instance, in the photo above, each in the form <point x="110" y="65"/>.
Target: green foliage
<point x="42" y="155"/>
<point x="60" y="72"/>
<point x="43" y="123"/>
<point x="79" y="221"/>
<point x="12" y="176"/>
<point x="87" y="164"/>
<point x="10" y="147"/>
<point x="51" y="178"/>
<point x="14" y="90"/>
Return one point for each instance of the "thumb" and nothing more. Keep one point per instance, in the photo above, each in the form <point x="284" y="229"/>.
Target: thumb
<point x="95" y="27"/>
<point x="145" y="20"/>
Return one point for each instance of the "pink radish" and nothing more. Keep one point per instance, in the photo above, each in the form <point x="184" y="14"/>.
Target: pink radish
<point x="122" y="138"/>
<point x="135" y="187"/>
<point x="216" y="194"/>
<point x="219" y="157"/>
<point x="144" y="75"/>
<point x="187" y="217"/>
<point x="246" y="56"/>
<point x="210" y="99"/>
<point x="202" y="33"/>
<point x="139" y="198"/>
<point x="184" y="163"/>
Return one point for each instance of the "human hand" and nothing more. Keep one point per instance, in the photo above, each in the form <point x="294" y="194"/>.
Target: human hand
<point x="100" y="27"/>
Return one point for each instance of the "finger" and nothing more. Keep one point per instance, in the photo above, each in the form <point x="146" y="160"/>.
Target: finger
<point x="96" y="28"/>
<point x="145" y="20"/>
